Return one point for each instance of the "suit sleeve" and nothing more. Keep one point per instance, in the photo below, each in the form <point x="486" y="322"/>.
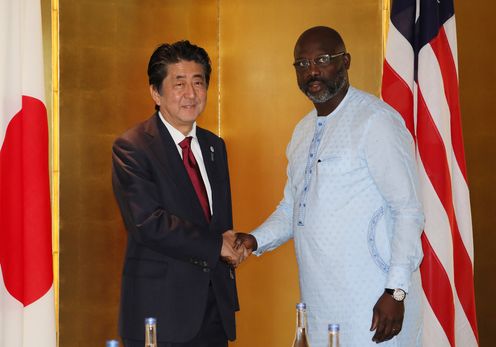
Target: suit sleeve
<point x="146" y="219"/>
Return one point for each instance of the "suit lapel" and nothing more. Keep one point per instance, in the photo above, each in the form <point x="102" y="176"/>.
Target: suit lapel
<point x="208" y="154"/>
<point x="166" y="154"/>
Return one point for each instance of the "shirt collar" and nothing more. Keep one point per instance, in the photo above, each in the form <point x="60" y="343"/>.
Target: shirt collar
<point x="177" y="136"/>
<point x="340" y="106"/>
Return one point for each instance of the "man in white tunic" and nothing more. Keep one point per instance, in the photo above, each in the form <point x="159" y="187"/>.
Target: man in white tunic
<point x="352" y="206"/>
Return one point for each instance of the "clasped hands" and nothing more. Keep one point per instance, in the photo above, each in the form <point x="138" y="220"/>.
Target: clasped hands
<point x="236" y="247"/>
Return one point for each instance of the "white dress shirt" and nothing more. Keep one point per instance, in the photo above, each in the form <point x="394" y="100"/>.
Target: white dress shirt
<point x="177" y="137"/>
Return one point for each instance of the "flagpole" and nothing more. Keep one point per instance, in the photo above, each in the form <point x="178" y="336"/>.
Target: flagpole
<point x="386" y="11"/>
<point x="55" y="156"/>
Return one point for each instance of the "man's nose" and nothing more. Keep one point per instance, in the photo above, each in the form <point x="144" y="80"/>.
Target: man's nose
<point x="313" y="69"/>
<point x="190" y="90"/>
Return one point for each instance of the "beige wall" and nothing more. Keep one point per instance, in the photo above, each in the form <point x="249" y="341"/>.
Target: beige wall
<point x="476" y="52"/>
<point x="104" y="49"/>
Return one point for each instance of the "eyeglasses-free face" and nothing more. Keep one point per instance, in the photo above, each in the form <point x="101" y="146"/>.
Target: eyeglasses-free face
<point x="321" y="60"/>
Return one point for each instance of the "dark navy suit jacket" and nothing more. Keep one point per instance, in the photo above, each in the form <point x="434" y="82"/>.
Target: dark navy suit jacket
<point x="172" y="254"/>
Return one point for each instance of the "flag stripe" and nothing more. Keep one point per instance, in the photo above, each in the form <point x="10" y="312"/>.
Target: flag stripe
<point x="402" y="62"/>
<point x="438" y="291"/>
<point x="449" y="28"/>
<point x="440" y="46"/>
<point x="463" y="329"/>
<point x="435" y="332"/>
<point x="399" y="96"/>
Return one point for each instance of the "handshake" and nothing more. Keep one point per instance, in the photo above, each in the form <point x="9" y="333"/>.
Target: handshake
<point x="236" y="247"/>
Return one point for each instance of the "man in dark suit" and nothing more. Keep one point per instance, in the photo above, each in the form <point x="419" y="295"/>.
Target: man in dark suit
<point x="171" y="181"/>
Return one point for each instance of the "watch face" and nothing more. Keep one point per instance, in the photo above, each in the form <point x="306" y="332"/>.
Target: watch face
<point x="399" y="295"/>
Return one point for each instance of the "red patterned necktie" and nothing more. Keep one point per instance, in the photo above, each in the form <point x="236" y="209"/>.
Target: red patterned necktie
<point x="194" y="174"/>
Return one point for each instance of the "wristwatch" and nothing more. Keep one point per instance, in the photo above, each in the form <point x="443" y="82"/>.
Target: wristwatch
<point x="398" y="294"/>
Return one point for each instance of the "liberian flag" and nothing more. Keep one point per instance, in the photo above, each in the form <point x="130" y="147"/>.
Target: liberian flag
<point x="420" y="80"/>
<point x="27" y="316"/>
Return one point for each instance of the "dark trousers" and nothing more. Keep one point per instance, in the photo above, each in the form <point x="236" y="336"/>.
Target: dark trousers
<point x="211" y="333"/>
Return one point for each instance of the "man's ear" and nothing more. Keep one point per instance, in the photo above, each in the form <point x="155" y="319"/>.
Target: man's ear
<point x="347" y="60"/>
<point x="155" y="94"/>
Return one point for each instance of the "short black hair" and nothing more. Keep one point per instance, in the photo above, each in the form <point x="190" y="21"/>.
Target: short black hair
<point x="166" y="54"/>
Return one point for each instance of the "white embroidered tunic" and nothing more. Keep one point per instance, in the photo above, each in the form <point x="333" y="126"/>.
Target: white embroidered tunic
<point x="351" y="205"/>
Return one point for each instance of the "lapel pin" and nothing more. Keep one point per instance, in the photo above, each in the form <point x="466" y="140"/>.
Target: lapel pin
<point x="211" y="153"/>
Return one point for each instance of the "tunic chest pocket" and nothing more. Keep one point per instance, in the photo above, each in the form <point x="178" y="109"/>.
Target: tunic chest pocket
<point x="339" y="164"/>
